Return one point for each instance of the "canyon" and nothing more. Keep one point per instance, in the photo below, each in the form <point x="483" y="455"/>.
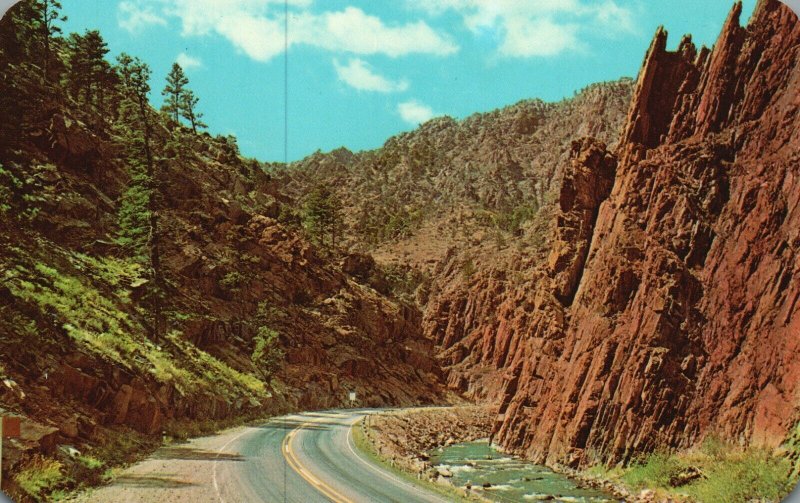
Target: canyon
<point x="651" y="299"/>
<point x="611" y="274"/>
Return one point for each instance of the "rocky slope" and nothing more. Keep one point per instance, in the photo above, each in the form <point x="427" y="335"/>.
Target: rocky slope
<point x="78" y="358"/>
<point x="408" y="437"/>
<point x="668" y="306"/>
<point x="453" y="184"/>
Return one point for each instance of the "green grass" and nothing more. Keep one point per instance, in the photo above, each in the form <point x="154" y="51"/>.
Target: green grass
<point x="91" y="300"/>
<point x="654" y="471"/>
<point x="730" y="474"/>
<point x="792" y="448"/>
<point x="90" y="462"/>
<point x="40" y="476"/>
<point x="752" y="477"/>
<point x="366" y="448"/>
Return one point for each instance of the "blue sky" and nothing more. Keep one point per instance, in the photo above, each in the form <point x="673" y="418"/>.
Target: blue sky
<point x="363" y="70"/>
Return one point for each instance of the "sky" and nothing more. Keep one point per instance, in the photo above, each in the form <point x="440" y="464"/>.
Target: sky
<point x="360" y="71"/>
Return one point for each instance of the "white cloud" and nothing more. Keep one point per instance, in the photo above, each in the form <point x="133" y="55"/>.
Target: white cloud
<point x="260" y="38"/>
<point x="538" y="37"/>
<point x="352" y="30"/>
<point x="359" y="75"/>
<point x="536" y="28"/>
<point x="609" y="15"/>
<point x="135" y="16"/>
<point x="256" y="27"/>
<point x="188" y="62"/>
<point x="414" y="112"/>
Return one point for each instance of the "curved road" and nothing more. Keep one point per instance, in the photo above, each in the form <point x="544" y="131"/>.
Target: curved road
<point x="302" y="458"/>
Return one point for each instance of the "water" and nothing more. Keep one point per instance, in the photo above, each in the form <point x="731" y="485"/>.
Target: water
<point x="511" y="479"/>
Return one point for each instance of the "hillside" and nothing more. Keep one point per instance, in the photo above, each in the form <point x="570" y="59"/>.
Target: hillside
<point x="449" y="184"/>
<point x="146" y="285"/>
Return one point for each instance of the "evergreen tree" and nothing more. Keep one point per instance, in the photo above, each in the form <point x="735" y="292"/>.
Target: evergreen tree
<point x="189" y="110"/>
<point x="135" y="76"/>
<point x="174" y="91"/>
<point x="14" y="102"/>
<point x="89" y="73"/>
<point x="321" y="214"/>
<point x="49" y="12"/>
<point x="19" y="34"/>
<point x="77" y="75"/>
<point x="27" y="93"/>
<point x="100" y="73"/>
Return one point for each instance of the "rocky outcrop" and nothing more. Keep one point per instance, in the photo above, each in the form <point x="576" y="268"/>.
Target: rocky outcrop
<point x="513" y="299"/>
<point x="584" y="187"/>
<point x="407" y="438"/>
<point x="452" y="184"/>
<point x="674" y="313"/>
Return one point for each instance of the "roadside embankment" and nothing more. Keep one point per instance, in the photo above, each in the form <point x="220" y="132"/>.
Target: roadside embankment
<point x="406" y="438"/>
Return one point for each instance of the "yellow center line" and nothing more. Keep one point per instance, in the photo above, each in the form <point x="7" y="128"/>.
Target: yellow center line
<point x="291" y="458"/>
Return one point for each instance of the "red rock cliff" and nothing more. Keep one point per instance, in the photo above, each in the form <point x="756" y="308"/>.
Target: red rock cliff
<point x="669" y="308"/>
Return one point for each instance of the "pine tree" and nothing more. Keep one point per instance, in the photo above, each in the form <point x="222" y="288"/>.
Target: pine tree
<point x="321" y="214"/>
<point x="189" y="110"/>
<point x="14" y="100"/>
<point x="89" y="72"/>
<point x="26" y="88"/>
<point x="20" y="33"/>
<point x="50" y="16"/>
<point x="135" y="77"/>
<point x="99" y="69"/>
<point x="77" y="76"/>
<point x="173" y="92"/>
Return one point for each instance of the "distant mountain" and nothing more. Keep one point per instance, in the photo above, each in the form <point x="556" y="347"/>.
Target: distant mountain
<point x="450" y="182"/>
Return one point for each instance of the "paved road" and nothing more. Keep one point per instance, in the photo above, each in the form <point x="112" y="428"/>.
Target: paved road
<point x="303" y="458"/>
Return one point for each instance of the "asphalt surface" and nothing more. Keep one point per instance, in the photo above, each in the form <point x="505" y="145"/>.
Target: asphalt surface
<point x="302" y="458"/>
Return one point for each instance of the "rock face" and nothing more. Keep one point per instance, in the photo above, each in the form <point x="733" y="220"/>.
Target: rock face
<point x="452" y="184"/>
<point x="669" y="306"/>
<point x="584" y="187"/>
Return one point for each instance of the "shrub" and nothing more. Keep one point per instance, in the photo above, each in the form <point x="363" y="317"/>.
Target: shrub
<point x="232" y="281"/>
<point x="754" y="475"/>
<point x="657" y="470"/>
<point x="717" y="472"/>
<point x="267" y="355"/>
<point x="468" y="269"/>
<point x="40" y="476"/>
<point x="512" y="219"/>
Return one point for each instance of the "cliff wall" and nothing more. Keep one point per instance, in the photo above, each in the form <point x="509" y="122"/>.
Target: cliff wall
<point x="668" y="307"/>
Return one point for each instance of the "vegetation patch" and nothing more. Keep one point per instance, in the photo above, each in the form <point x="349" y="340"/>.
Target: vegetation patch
<point x="792" y="448"/>
<point x="512" y="220"/>
<point x="717" y="471"/>
<point x="91" y="298"/>
<point x="40" y="476"/>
